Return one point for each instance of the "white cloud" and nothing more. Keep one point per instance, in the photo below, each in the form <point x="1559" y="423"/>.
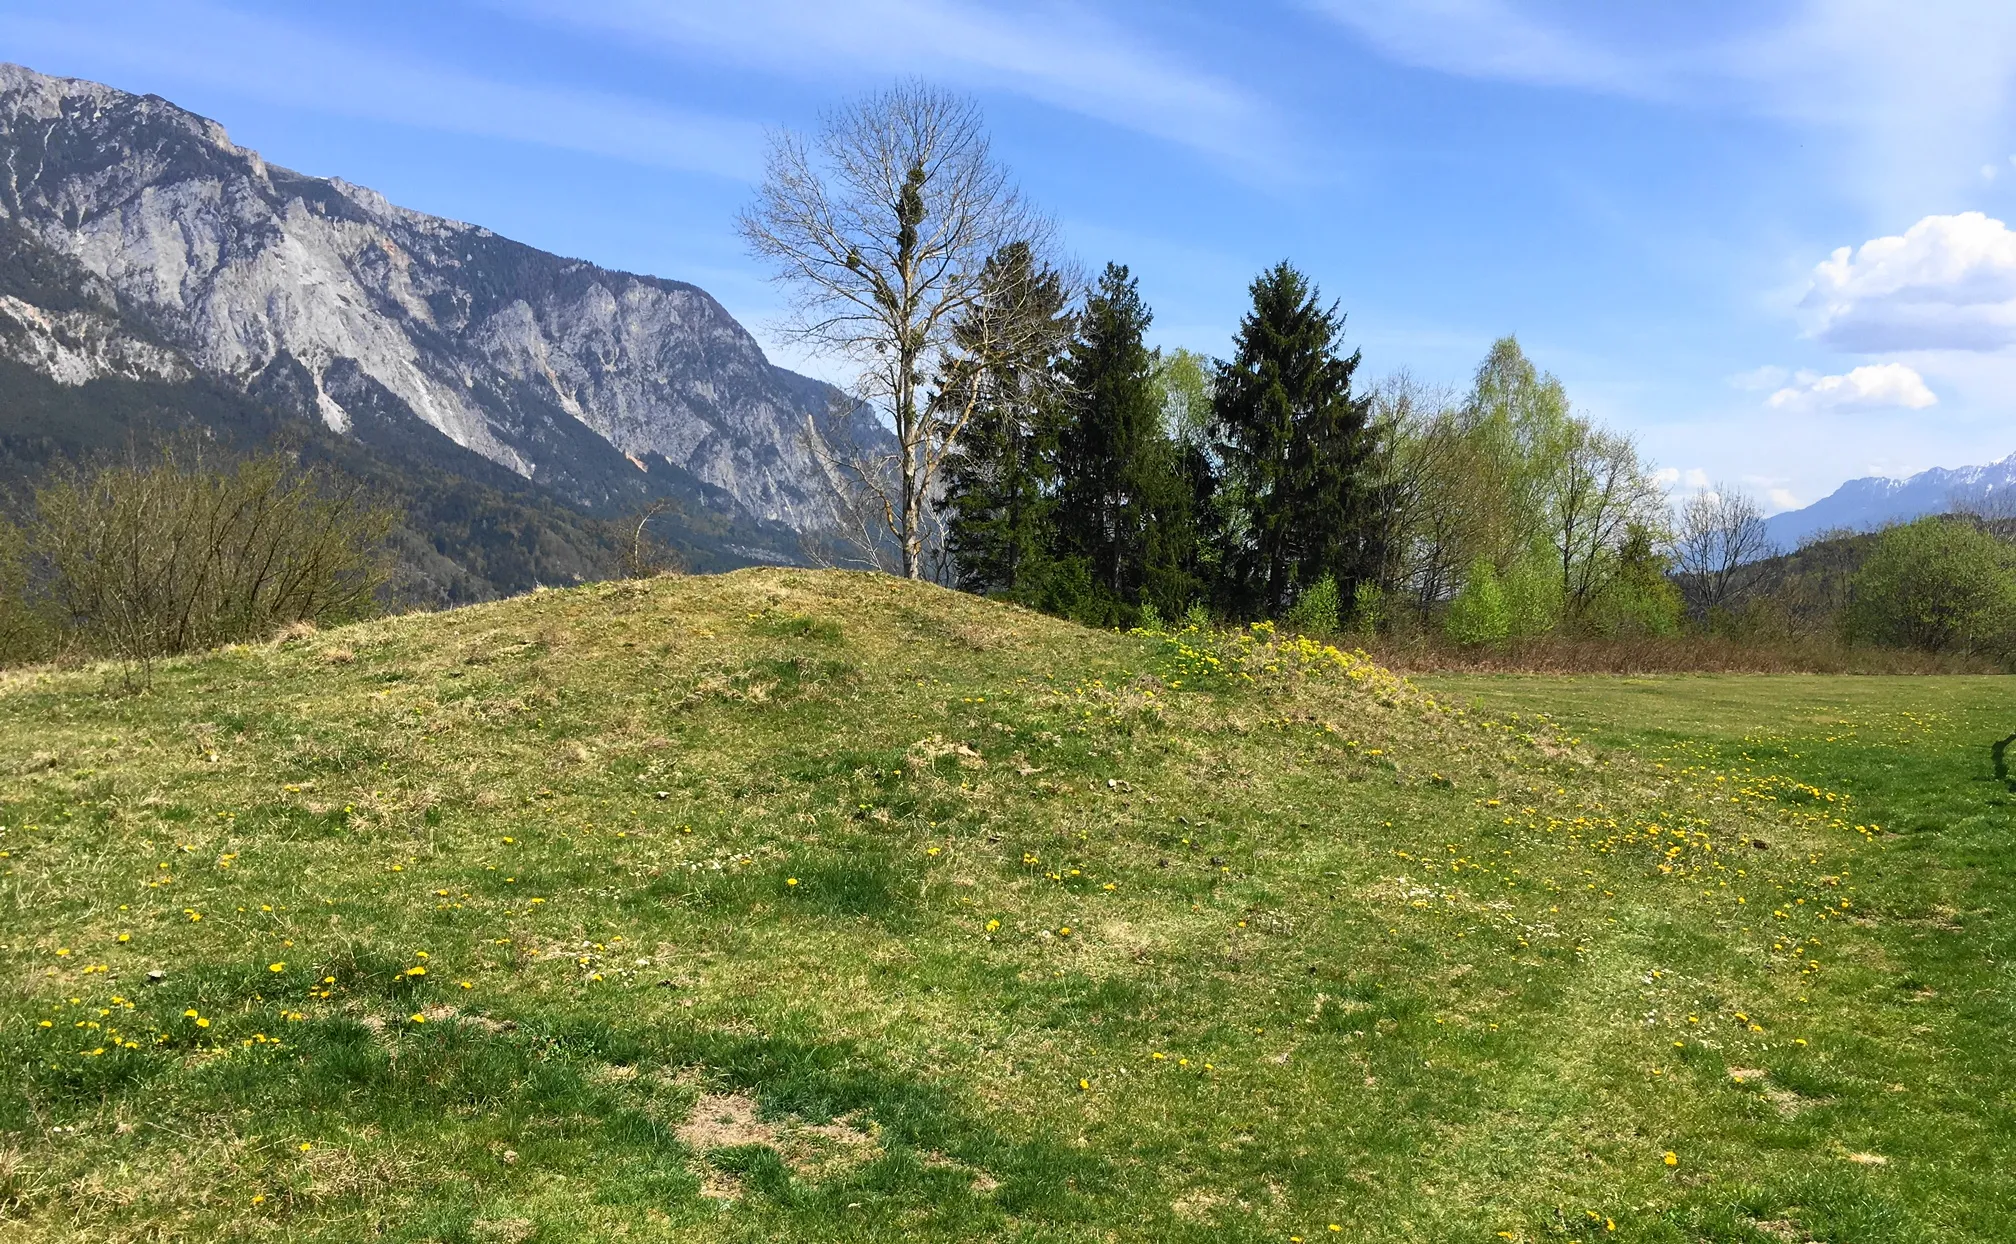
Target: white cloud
<point x="1879" y="386"/>
<point x="1782" y="499"/>
<point x="1499" y="39"/>
<point x="1061" y="55"/>
<point x="1948" y="283"/>
<point x="1693" y="479"/>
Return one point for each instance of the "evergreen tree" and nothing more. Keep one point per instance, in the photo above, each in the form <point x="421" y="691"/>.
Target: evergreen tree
<point x="1122" y="509"/>
<point x="1297" y="451"/>
<point x="1000" y="480"/>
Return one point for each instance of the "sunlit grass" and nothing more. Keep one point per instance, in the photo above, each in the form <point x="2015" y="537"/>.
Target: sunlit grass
<point x="786" y="905"/>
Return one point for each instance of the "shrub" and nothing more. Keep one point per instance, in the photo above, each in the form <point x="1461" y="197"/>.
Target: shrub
<point x="1942" y="585"/>
<point x="1315" y="610"/>
<point x="144" y="561"/>
<point x="1533" y="597"/>
<point x="1368" y="608"/>
<point x="25" y="633"/>
<point x="1479" y="614"/>
<point x="1640" y="598"/>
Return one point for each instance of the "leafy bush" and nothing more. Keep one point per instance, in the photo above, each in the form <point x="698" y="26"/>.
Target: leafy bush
<point x="1640" y="597"/>
<point x="1315" y="610"/>
<point x="1368" y="608"/>
<point x="1479" y="614"/>
<point x="1533" y="598"/>
<point x="1942" y="585"/>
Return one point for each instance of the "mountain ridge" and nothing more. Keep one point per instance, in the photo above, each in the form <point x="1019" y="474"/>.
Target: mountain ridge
<point x="145" y="246"/>
<point x="1875" y="501"/>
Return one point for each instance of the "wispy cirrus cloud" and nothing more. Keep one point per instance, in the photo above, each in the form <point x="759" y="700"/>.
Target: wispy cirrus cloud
<point x="300" y="65"/>
<point x="1917" y="90"/>
<point x="1066" y="56"/>
<point x="1499" y="39"/>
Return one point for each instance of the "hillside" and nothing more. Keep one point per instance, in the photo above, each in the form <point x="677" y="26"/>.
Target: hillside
<point x="791" y="905"/>
<point x="156" y="277"/>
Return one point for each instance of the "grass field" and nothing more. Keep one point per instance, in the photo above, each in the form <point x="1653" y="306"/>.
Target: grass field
<point x="799" y="906"/>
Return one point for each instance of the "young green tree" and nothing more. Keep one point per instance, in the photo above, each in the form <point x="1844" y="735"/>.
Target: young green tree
<point x="1296" y="449"/>
<point x="1184" y="379"/>
<point x="1940" y="584"/>
<point x="1000" y="477"/>
<point x="1480" y="613"/>
<point x="1183" y="382"/>
<point x="1518" y="422"/>
<point x="1639" y="597"/>
<point x="1122" y="509"/>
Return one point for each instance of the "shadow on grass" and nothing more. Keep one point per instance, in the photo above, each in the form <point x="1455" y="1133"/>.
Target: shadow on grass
<point x="592" y="1099"/>
<point x="859" y="881"/>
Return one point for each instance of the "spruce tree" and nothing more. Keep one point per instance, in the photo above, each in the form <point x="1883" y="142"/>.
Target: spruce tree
<point x="1122" y="506"/>
<point x="1000" y="480"/>
<point x="1297" y="450"/>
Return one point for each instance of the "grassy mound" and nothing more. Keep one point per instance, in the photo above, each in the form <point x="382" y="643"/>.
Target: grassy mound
<point x="791" y="905"/>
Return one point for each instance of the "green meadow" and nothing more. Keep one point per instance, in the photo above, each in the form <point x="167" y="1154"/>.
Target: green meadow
<point x="788" y="905"/>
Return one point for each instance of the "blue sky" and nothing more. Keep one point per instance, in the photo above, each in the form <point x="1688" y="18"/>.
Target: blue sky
<point x="1655" y="198"/>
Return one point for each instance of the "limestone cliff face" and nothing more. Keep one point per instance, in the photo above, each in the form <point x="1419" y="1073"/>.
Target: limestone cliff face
<point x="191" y="252"/>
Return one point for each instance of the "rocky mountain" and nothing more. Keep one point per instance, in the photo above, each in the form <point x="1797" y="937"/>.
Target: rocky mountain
<point x="140" y="247"/>
<point x="1872" y="502"/>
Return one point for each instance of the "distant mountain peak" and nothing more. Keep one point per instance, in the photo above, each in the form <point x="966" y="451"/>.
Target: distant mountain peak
<point x="1876" y="501"/>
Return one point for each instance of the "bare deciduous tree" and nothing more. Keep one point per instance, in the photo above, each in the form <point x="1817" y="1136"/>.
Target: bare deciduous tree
<point x="1720" y="535"/>
<point x="643" y="555"/>
<point x="1991" y="504"/>
<point x="1429" y="460"/>
<point x="146" y="560"/>
<point x="882" y="227"/>
<point x="1598" y="488"/>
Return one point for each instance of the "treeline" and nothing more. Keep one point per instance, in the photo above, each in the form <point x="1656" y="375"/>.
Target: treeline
<point x="1042" y="452"/>
<point x="1107" y="482"/>
<point x="1102" y="480"/>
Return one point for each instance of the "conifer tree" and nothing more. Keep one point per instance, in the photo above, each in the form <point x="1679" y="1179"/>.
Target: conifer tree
<point x="1000" y="480"/>
<point x="1297" y="450"/>
<point x="1122" y="507"/>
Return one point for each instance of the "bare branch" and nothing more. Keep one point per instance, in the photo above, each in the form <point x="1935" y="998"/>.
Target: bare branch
<point x="881" y="228"/>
